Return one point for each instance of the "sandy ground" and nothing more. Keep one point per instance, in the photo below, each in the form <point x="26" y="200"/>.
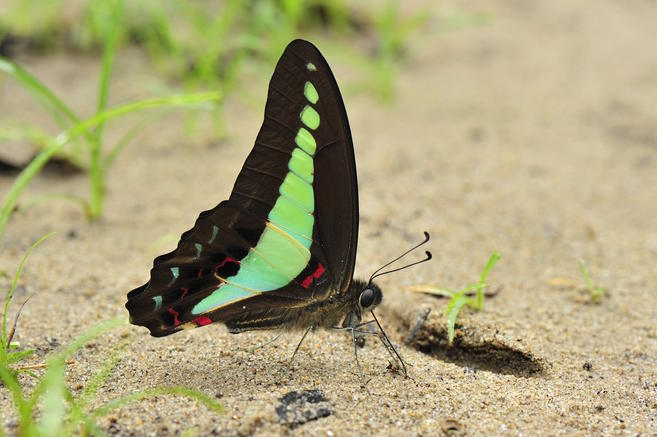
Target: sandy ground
<point x="533" y="134"/>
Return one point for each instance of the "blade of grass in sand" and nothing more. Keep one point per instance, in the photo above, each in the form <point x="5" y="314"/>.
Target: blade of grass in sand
<point x="4" y="337"/>
<point x="33" y="168"/>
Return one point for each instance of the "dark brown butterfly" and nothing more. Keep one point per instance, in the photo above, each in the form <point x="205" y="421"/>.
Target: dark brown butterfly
<point x="280" y="252"/>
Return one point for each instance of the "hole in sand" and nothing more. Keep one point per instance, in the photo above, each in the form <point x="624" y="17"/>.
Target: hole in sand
<point x="488" y="356"/>
<point x="475" y="347"/>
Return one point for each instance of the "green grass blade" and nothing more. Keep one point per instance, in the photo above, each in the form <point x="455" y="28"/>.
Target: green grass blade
<point x="432" y="289"/>
<point x="14" y="357"/>
<point x="586" y="275"/>
<point x="494" y="258"/>
<point x="595" y="292"/>
<point x="96" y="167"/>
<point x="110" y="40"/>
<point x="92" y="333"/>
<point x="127" y="137"/>
<point x="68" y="351"/>
<point x="50" y="101"/>
<point x="11" y="383"/>
<point x="100" y="377"/>
<point x="452" y="311"/>
<point x="53" y="404"/>
<point x="33" y="134"/>
<point x="3" y="335"/>
<point x="33" y="168"/>
<point x="159" y="391"/>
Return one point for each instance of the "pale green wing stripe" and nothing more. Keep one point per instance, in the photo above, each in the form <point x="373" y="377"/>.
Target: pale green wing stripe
<point x="310" y="92"/>
<point x="302" y="165"/>
<point x="175" y="272"/>
<point x="224" y="295"/>
<point x="215" y="230"/>
<point x="305" y="141"/>
<point x="293" y="220"/>
<point x="268" y="266"/>
<point x="299" y="191"/>
<point x="283" y="249"/>
<point x="310" y="117"/>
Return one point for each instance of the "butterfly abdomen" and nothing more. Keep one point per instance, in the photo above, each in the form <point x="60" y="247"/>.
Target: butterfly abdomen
<point x="325" y="312"/>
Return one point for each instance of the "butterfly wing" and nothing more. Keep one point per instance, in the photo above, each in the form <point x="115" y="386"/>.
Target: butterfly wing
<point x="288" y="233"/>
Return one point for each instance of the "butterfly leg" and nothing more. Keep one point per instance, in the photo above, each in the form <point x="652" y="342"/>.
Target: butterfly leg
<point x="261" y="345"/>
<point x="389" y="346"/>
<point x="353" y="337"/>
<point x="289" y="366"/>
<point x="354" y="330"/>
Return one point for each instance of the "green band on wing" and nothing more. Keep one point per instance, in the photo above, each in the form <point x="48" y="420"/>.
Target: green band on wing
<point x="257" y="273"/>
<point x="310" y="117"/>
<point x="310" y="92"/>
<point x="273" y="263"/>
<point x="293" y="220"/>
<point x="223" y="295"/>
<point x="158" y="302"/>
<point x="198" y="249"/>
<point x="302" y="165"/>
<point x="283" y="249"/>
<point x="299" y="191"/>
<point x="305" y="141"/>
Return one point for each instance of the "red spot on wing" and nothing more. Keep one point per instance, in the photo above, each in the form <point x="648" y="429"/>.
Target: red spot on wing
<point x="314" y="275"/>
<point x="184" y="292"/>
<point x="319" y="271"/>
<point x="306" y="282"/>
<point x="202" y="320"/>
<point x="226" y="260"/>
<point x="200" y="272"/>
<point x="173" y="312"/>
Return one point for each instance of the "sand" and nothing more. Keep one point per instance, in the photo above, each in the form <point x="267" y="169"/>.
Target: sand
<point x="532" y="134"/>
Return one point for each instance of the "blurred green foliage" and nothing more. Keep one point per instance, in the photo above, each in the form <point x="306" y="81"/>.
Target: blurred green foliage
<point x="196" y="45"/>
<point x="204" y="43"/>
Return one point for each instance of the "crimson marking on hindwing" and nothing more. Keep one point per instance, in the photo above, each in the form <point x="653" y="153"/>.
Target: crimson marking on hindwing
<point x="202" y="320"/>
<point x="200" y="272"/>
<point x="228" y="259"/>
<point x="184" y="292"/>
<point x="314" y="275"/>
<point x="174" y="313"/>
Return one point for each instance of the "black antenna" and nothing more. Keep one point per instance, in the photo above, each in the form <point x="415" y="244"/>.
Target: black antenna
<point x="377" y="274"/>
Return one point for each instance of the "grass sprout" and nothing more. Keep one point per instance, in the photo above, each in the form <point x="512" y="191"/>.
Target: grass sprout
<point x="7" y="357"/>
<point x="60" y="411"/>
<point x="471" y="295"/>
<point x="81" y="128"/>
<point x="596" y="292"/>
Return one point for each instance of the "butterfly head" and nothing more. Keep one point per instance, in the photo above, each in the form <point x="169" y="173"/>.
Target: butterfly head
<point x="370" y="297"/>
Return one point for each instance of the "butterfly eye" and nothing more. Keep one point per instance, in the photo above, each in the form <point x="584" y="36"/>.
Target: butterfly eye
<point x="367" y="298"/>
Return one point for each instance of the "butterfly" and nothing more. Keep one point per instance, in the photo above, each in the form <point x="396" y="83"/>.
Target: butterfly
<point x="280" y="252"/>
